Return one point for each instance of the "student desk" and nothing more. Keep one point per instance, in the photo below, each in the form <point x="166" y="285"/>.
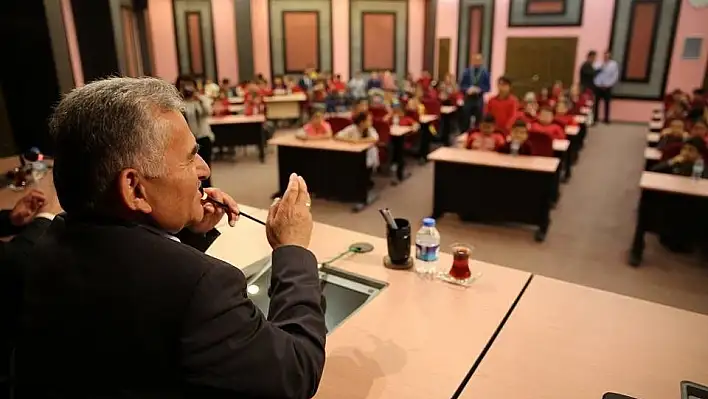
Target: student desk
<point x="239" y="130"/>
<point x="560" y="150"/>
<point x="332" y="169"/>
<point x="652" y="156"/>
<point x="448" y="119"/>
<point x="236" y="109"/>
<point x="398" y="134"/>
<point x="417" y="339"/>
<point x="670" y="199"/>
<point x="653" y="139"/>
<point x="568" y="341"/>
<point x="488" y="186"/>
<point x="286" y="106"/>
<point x="656" y="126"/>
<point x="236" y="100"/>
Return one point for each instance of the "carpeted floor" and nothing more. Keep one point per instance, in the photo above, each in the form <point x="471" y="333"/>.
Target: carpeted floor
<point x="587" y="243"/>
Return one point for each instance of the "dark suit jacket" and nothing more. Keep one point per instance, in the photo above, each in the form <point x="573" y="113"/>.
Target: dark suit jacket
<point x="25" y="236"/>
<point x="587" y="75"/>
<point x="120" y="310"/>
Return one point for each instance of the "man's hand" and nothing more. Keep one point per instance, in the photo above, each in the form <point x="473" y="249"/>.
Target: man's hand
<point x="28" y="207"/>
<point x="289" y="219"/>
<point x="213" y="214"/>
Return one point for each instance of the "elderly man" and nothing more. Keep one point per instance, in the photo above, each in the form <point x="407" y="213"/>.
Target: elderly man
<point x="474" y="83"/>
<point x="121" y="302"/>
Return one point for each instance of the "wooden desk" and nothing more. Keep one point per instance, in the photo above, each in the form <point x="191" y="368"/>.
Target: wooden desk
<point x="572" y="130"/>
<point x="686" y="198"/>
<point x="416" y="339"/>
<point x="568" y="341"/>
<point x="653" y="139"/>
<point x="560" y="151"/>
<point x="486" y="186"/>
<point x="580" y="119"/>
<point x="333" y="169"/>
<point x="447" y="109"/>
<point x="236" y="100"/>
<point x="236" y="109"/>
<point x="285" y="106"/>
<point x="656" y="126"/>
<point x="239" y="130"/>
<point x="652" y="156"/>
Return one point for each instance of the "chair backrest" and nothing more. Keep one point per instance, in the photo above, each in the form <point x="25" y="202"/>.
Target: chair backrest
<point x="338" y="123"/>
<point x="542" y="144"/>
<point x="671" y="151"/>
<point x="383" y="129"/>
<point x="432" y="106"/>
<point x="378" y="112"/>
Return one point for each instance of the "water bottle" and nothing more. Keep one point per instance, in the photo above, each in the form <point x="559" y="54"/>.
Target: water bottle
<point x="427" y="241"/>
<point x="515" y="146"/>
<point x="396" y="120"/>
<point x="698" y="167"/>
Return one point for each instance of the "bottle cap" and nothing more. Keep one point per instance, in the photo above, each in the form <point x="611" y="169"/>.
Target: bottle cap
<point x="429" y="222"/>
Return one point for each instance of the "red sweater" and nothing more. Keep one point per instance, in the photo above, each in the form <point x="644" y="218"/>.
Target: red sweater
<point x="477" y="140"/>
<point x="254" y="109"/>
<point x="525" y="117"/>
<point x="503" y="110"/>
<point x="554" y="131"/>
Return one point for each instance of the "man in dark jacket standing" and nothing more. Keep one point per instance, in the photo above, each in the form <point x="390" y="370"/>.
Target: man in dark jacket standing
<point x="120" y="300"/>
<point x="588" y="72"/>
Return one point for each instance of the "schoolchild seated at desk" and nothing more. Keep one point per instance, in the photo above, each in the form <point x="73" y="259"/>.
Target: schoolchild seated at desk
<point x="529" y="112"/>
<point x="424" y="80"/>
<point x="563" y="116"/>
<point x="361" y="106"/>
<point x="415" y="103"/>
<point x="699" y="128"/>
<point x="578" y="99"/>
<point x="518" y="143"/>
<point x="317" y="128"/>
<point x="336" y="85"/>
<point x="374" y="81"/>
<point x="546" y="126"/>
<point x="398" y="115"/>
<point x="503" y="107"/>
<point x="487" y="138"/>
<point x="254" y="105"/>
<point x="279" y="87"/>
<point x="361" y="131"/>
<point x="447" y="90"/>
<point x="377" y="97"/>
<point x="291" y="86"/>
<point x="557" y="90"/>
<point x="544" y="99"/>
<point x="674" y="133"/>
<point x="682" y="164"/>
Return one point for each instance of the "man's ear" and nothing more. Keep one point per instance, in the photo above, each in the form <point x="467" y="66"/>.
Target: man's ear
<point x="132" y="191"/>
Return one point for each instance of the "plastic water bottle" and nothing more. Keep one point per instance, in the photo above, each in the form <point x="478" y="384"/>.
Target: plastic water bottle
<point x="698" y="168"/>
<point x="515" y="146"/>
<point x="427" y="241"/>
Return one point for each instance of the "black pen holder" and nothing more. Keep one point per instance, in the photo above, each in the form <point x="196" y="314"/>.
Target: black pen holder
<point x="399" y="245"/>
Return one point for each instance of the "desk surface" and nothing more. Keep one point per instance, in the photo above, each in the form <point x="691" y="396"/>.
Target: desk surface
<point x="652" y="154"/>
<point x="558" y="144"/>
<point x="296" y="97"/>
<point x="401" y="130"/>
<point x="581" y="119"/>
<point x="673" y="184"/>
<point x="289" y="140"/>
<point x="427" y="118"/>
<point x="448" y="109"/>
<point x="568" y="341"/>
<point x="8" y="198"/>
<point x="493" y="159"/>
<point x="236" y="119"/>
<point x="417" y="339"/>
<point x="572" y="130"/>
<point x="236" y="100"/>
<point x="653" y="137"/>
<point x="656" y="125"/>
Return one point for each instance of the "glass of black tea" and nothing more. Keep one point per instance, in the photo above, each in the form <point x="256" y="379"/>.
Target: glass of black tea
<point x="461" y="261"/>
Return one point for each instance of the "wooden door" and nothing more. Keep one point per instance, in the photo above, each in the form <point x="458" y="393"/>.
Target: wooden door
<point x="443" y="57"/>
<point x="533" y="63"/>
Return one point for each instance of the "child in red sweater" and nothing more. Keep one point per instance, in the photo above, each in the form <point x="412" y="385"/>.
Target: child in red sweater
<point x="504" y="105"/>
<point x="518" y="143"/>
<point x="563" y="116"/>
<point x="487" y="138"/>
<point x="546" y="126"/>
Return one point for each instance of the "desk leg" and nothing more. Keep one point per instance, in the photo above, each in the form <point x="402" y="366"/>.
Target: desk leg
<point x="637" y="251"/>
<point x="424" y="143"/>
<point x="399" y="159"/>
<point x="567" y="165"/>
<point x="261" y="144"/>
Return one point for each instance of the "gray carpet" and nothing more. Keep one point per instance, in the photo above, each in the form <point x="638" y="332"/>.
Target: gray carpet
<point x="587" y="243"/>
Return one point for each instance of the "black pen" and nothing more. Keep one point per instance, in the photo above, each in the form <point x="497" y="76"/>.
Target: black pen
<point x="226" y="208"/>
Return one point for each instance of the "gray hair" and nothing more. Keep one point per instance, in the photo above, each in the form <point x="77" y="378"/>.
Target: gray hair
<point x="105" y="127"/>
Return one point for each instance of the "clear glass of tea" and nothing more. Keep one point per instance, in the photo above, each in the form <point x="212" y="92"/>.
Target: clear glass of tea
<point x="460" y="269"/>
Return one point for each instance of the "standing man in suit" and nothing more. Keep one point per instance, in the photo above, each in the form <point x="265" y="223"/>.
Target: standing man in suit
<point x="120" y="301"/>
<point x="474" y="83"/>
<point x="606" y="78"/>
<point x="588" y="72"/>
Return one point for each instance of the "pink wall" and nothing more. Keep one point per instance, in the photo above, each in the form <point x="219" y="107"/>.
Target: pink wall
<point x="340" y="35"/>
<point x="261" y="36"/>
<point x="73" y="43"/>
<point x="416" y="35"/>
<point x="162" y="30"/>
<point x="688" y="74"/>
<point x="446" y="27"/>
<point x="225" y="39"/>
